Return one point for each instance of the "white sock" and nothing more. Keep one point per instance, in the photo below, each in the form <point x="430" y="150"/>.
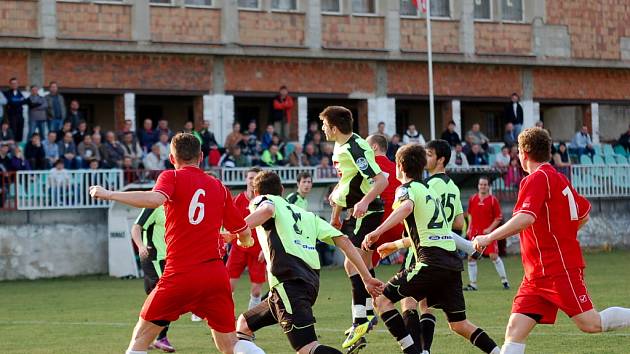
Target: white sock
<point x="358" y="311"/>
<point x="369" y="305"/>
<point x="472" y="273"/>
<point x="498" y="265"/>
<point x="406" y="342"/>
<point x="615" y="318"/>
<point x="135" y="352"/>
<point x="247" y="347"/>
<point x="513" y="348"/>
<point x="253" y="301"/>
<point x="463" y="244"/>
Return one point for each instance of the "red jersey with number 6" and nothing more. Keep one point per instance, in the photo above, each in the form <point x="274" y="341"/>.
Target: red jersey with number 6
<point x="550" y="246"/>
<point x="197" y="206"/>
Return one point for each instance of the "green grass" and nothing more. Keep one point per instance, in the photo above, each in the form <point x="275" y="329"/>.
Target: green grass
<point x="96" y="314"/>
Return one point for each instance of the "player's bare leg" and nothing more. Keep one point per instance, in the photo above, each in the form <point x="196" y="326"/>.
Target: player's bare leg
<point x="516" y="333"/>
<point x="143" y="335"/>
<point x="255" y="294"/>
<point x="610" y="319"/>
<point x="500" y="268"/>
<point x="363" y="318"/>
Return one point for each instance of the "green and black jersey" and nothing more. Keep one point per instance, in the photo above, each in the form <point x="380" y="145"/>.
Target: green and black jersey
<point x="427" y="228"/>
<point x="288" y="241"/>
<point x="296" y="199"/>
<point x="355" y="162"/>
<point x="153" y="222"/>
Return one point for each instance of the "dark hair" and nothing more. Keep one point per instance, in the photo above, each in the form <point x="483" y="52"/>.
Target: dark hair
<point x="451" y="122"/>
<point x="254" y="169"/>
<point x="67" y="121"/>
<point x="303" y="175"/>
<point x="381" y="122"/>
<point x="5" y="122"/>
<point x="267" y="182"/>
<point x="506" y="146"/>
<point x="57" y="162"/>
<point x="379" y="140"/>
<point x="442" y="150"/>
<point x="34" y="134"/>
<point x="13" y="79"/>
<point x="484" y="177"/>
<point x="412" y="158"/>
<point x="283" y="87"/>
<point x="186" y="147"/>
<point x="536" y="142"/>
<point x="339" y="117"/>
<point x="52" y="83"/>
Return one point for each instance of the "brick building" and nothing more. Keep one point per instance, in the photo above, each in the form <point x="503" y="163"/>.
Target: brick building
<point x="222" y="60"/>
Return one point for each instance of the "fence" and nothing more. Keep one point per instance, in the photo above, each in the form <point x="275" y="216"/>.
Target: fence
<point x="601" y="181"/>
<point x="7" y="190"/>
<point x="236" y="176"/>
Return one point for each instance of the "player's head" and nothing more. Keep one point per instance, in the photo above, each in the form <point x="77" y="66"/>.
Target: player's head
<point x="304" y="183"/>
<point x="336" y="120"/>
<point x="410" y="162"/>
<point x="378" y="143"/>
<point x="267" y="182"/>
<point x="249" y="178"/>
<point x="483" y="185"/>
<point x="185" y="150"/>
<point x="438" y="155"/>
<point x="534" y="146"/>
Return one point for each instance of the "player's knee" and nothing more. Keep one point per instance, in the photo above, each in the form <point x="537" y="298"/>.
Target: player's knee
<point x="383" y="304"/>
<point x="241" y="325"/>
<point x="494" y="256"/>
<point x="589" y="326"/>
<point x="458" y="327"/>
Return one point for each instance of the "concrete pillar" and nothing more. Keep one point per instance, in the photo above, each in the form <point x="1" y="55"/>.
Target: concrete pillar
<point x="467" y="28"/>
<point x="456" y="112"/>
<point x="130" y="108"/>
<point x="302" y="120"/>
<point x="527" y="99"/>
<point x="313" y="25"/>
<point x="218" y="109"/>
<point x="218" y="76"/>
<point x="229" y="22"/>
<point x="141" y="21"/>
<point x="392" y="26"/>
<point x="382" y="109"/>
<point x="48" y="19"/>
<point x="595" y="122"/>
<point x="35" y="68"/>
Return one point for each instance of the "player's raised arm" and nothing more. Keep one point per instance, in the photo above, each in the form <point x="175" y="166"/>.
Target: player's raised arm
<point x="262" y="213"/>
<point x="138" y="199"/>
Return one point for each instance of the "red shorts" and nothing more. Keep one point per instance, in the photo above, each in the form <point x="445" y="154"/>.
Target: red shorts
<point x="393" y="234"/>
<point x="239" y="259"/>
<point x="204" y="291"/>
<point x="544" y="296"/>
<point x="491" y="248"/>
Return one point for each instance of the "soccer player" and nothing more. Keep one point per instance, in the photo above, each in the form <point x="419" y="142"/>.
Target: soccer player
<point x="436" y="275"/>
<point x="250" y="257"/>
<point x="304" y="186"/>
<point x="360" y="183"/>
<point x="196" y="205"/>
<point x="288" y="235"/>
<point x="485" y="215"/>
<point x="147" y="233"/>
<point x="548" y="215"/>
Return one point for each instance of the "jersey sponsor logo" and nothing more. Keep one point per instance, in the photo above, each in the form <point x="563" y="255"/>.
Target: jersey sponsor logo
<point x="583" y="298"/>
<point x="362" y="164"/>
<point x="437" y="238"/>
<point x="306" y="247"/>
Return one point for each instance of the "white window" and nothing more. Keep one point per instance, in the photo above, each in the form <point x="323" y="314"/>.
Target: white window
<point x="286" y="5"/>
<point x="333" y="6"/>
<point x="512" y="10"/>
<point x="407" y="8"/>
<point x="165" y="2"/>
<point x="248" y="4"/>
<point x="364" y="6"/>
<point x="483" y="10"/>
<point x="440" y="8"/>
<point x="198" y="2"/>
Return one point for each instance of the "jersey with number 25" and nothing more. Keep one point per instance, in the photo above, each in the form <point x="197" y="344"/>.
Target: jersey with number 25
<point x="196" y="207"/>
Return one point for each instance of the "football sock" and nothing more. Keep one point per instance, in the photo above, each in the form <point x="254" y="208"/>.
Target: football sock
<point x="412" y="323"/>
<point x="246" y="347"/>
<point x="369" y="306"/>
<point x="513" y="348"/>
<point x="396" y="327"/>
<point x="463" y="244"/>
<point x="135" y="352"/>
<point x="324" y="349"/>
<point x="253" y="301"/>
<point x="163" y="333"/>
<point x="615" y="318"/>
<point x="498" y="265"/>
<point x="472" y="272"/>
<point x="427" y="327"/>
<point x="480" y="339"/>
<point x="359" y="294"/>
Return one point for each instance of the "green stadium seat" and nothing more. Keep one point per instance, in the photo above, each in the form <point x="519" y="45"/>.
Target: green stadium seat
<point x="598" y="149"/>
<point x="619" y="150"/>
<point x="608" y="150"/>
<point x="598" y="160"/>
<point x="622" y="160"/>
<point x="585" y="160"/>
<point x="610" y="160"/>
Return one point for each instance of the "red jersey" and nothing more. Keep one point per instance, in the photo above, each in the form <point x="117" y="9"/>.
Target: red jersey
<point x="483" y="212"/>
<point x="242" y="205"/>
<point x="389" y="169"/>
<point x="550" y="246"/>
<point x="196" y="207"/>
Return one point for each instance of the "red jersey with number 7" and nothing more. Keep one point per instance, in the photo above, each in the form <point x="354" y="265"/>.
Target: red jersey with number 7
<point x="196" y="207"/>
<point x="549" y="246"/>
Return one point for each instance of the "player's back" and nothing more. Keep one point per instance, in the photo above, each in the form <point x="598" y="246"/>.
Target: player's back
<point x="449" y="195"/>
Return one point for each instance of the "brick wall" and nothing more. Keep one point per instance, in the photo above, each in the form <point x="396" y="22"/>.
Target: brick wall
<point x="183" y="24"/>
<point x="18" y="18"/>
<point x="14" y="63"/>
<point x="93" y="21"/>
<point x="595" y="27"/>
<point x="581" y="83"/>
<point x="503" y="38"/>
<point x="365" y="32"/>
<point x="413" y="35"/>
<point x="271" y="28"/>
<point x="321" y="76"/>
<point x="129" y="71"/>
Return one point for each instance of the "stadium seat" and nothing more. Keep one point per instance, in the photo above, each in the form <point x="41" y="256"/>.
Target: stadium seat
<point x="608" y="150"/>
<point x="619" y="150"/>
<point x="598" y="160"/>
<point x="492" y="158"/>
<point x="598" y="149"/>
<point x="622" y="160"/>
<point x="585" y="160"/>
<point x="610" y="160"/>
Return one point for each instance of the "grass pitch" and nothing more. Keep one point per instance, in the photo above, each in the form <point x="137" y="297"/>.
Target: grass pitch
<point x="97" y="314"/>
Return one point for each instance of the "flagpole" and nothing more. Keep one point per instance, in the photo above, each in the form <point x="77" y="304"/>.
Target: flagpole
<point x="430" y="63"/>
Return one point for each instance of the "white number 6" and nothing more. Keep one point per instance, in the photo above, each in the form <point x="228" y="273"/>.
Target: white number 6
<point x="194" y="205"/>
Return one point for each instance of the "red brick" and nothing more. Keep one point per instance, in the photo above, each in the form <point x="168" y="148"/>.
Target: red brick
<point x="271" y="28"/>
<point x="581" y="83"/>
<point x="413" y="35"/>
<point x="503" y="38"/>
<point x="89" y="20"/>
<point x="364" y="32"/>
<point x="14" y="63"/>
<point x="190" y="25"/>
<point x="18" y="18"/>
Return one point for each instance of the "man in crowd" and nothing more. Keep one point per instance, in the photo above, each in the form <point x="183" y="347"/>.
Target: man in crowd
<point x="582" y="142"/>
<point x="74" y="115"/>
<point x="513" y="113"/>
<point x="509" y="134"/>
<point x="450" y="135"/>
<point x="380" y="129"/>
<point x="282" y="110"/>
<point x="14" y="113"/>
<point x="81" y="132"/>
<point x="475" y="136"/>
<point x="412" y="135"/>
<point x="56" y="107"/>
<point x="624" y="140"/>
<point x="458" y="158"/>
<point x="37" y="116"/>
<point x="35" y="154"/>
<point x="68" y="152"/>
<point x="51" y="149"/>
<point x="476" y="157"/>
<point x="147" y="136"/>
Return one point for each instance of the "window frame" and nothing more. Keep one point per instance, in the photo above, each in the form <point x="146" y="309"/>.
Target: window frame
<point x="420" y="15"/>
<point x="193" y="6"/>
<point x="492" y="15"/>
<point x="340" y="12"/>
<point x="259" y="8"/>
<point x="522" y="20"/>
<point x="366" y="14"/>
<point x="297" y="7"/>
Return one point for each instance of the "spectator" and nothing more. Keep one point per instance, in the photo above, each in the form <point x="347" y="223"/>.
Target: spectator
<point x="412" y="135"/>
<point x="324" y="169"/>
<point x="112" y="153"/>
<point x="15" y="101"/>
<point x="189" y="128"/>
<point x="281" y="113"/>
<point x="539" y="124"/>
<point x="233" y="158"/>
<point x="514" y="151"/>
<point x="624" y="140"/>
<point x="458" y="158"/>
<point x="214" y="156"/>
<point x="88" y="151"/>
<point x="6" y="134"/>
<point x="327" y="150"/>
<point x="475" y="136"/>
<point x="153" y="161"/>
<point x="235" y="137"/>
<point x="476" y="157"/>
<point x="513" y="113"/>
<point x="297" y="158"/>
<point x="252" y="144"/>
<point x="267" y="137"/>
<point x="35" y="154"/>
<point x="132" y="149"/>
<point x="561" y="160"/>
<point x="380" y="129"/>
<point x="93" y="164"/>
<point x="127" y="128"/>
<point x="81" y="133"/>
<point x="97" y="140"/>
<point x="164" y="129"/>
<point x="165" y="146"/>
<point x="65" y="128"/>
<point x="272" y="157"/>
<point x="207" y="137"/>
<point x="51" y="148"/>
<point x="582" y="142"/>
<point x="59" y="183"/>
<point x="147" y="136"/>
<point x="5" y="159"/>
<point x="18" y="162"/>
<point x="37" y="108"/>
<point x="317" y="143"/>
<point x="75" y="116"/>
<point x="56" y="111"/>
<point x="393" y="146"/>
<point x="3" y="102"/>
<point x="509" y="135"/>
<point x="96" y="130"/>
<point x="450" y="135"/>
<point x="275" y="139"/>
<point x="313" y="127"/>
<point x="514" y="174"/>
<point x="311" y="158"/>
<point x="68" y="152"/>
<point x="503" y="158"/>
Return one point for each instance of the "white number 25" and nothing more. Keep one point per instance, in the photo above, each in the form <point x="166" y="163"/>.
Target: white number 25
<point x="194" y="205"/>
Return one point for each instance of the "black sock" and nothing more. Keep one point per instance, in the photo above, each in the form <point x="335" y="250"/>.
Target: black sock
<point x="163" y="333"/>
<point x="396" y="327"/>
<point x="324" y="349"/>
<point x="359" y="294"/>
<point x="369" y="310"/>
<point x="412" y="323"/>
<point x="481" y="340"/>
<point x="427" y="327"/>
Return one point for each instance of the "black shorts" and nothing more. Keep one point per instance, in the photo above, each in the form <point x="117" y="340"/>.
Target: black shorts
<point x="356" y="229"/>
<point x="151" y="276"/>
<point x="441" y="287"/>
<point x="291" y="305"/>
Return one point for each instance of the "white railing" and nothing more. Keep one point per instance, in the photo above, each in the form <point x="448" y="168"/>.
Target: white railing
<point x="601" y="181"/>
<point x="236" y="176"/>
<point x="64" y="190"/>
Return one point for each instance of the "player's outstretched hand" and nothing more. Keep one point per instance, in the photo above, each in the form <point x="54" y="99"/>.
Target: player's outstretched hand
<point x="480" y="242"/>
<point x="98" y="192"/>
<point x="386" y="249"/>
<point x="227" y="237"/>
<point x="246" y="242"/>
<point x="369" y="240"/>
<point x="336" y="223"/>
<point x="360" y="209"/>
<point x="374" y="287"/>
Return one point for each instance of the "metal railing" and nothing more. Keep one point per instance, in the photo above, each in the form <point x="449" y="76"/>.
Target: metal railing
<point x="8" y="196"/>
<point x="601" y="181"/>
<point x="236" y="176"/>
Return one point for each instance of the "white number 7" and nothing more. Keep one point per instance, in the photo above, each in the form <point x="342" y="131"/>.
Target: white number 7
<point x="572" y="207"/>
<point x="194" y="205"/>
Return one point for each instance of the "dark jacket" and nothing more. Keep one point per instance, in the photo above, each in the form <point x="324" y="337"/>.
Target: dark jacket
<point x="147" y="138"/>
<point x="35" y="155"/>
<point x="14" y="103"/>
<point x="451" y="138"/>
<point x="508" y="114"/>
<point x="75" y="118"/>
<point x="61" y="114"/>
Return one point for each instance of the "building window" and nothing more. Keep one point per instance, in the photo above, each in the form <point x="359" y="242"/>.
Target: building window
<point x="164" y="2"/>
<point x="364" y="6"/>
<point x="440" y="8"/>
<point x="483" y="10"/>
<point x="248" y="4"/>
<point x="407" y="8"/>
<point x="333" y="6"/>
<point x="512" y="10"/>
<point x="285" y="5"/>
<point x="198" y="2"/>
